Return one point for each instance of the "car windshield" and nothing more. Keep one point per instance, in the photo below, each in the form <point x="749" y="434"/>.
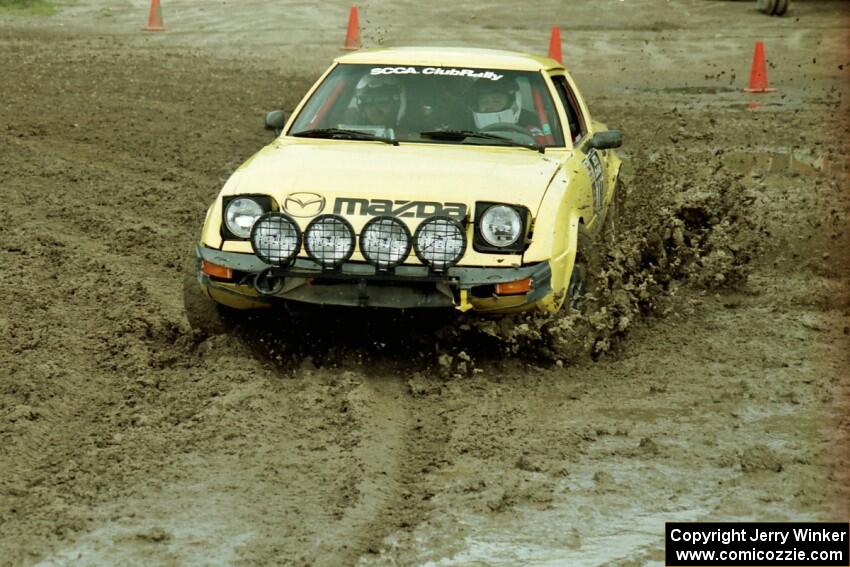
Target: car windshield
<point x="442" y="105"/>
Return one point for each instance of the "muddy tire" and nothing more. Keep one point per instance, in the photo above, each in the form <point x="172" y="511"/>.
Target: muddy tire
<point x="582" y="287"/>
<point x="591" y="253"/>
<point x="204" y="315"/>
<point x="781" y="7"/>
<point x="577" y="288"/>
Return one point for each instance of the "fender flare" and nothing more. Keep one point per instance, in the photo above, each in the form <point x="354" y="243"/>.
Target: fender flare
<point x="562" y="265"/>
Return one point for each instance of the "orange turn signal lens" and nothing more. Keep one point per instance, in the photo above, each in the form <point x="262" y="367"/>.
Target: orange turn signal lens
<point x="216" y="271"/>
<point x="514" y="288"/>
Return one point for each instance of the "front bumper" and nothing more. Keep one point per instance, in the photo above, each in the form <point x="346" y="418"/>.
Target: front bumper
<point x="361" y="285"/>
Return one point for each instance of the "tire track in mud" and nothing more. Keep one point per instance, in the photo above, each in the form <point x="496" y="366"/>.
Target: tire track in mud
<point x="356" y="505"/>
<point x="398" y="443"/>
<point x="393" y="438"/>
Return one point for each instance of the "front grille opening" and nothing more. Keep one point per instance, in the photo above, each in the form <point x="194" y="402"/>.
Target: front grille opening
<point x="483" y="291"/>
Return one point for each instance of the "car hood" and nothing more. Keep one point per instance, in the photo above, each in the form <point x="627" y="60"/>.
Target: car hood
<point x="364" y="179"/>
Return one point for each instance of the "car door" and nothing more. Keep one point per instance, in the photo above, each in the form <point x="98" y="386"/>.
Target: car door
<point x="593" y="162"/>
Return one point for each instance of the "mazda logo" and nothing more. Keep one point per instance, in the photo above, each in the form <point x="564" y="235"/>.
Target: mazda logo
<point x="304" y="204"/>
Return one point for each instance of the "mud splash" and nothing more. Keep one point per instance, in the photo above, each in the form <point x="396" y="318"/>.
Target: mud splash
<point x="681" y="225"/>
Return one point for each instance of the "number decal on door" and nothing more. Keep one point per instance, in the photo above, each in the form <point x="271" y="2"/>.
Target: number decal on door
<point x="594" y="170"/>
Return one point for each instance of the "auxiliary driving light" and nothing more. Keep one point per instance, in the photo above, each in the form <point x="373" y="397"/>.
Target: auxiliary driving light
<point x="440" y="242"/>
<point x="385" y="242"/>
<point x="275" y="238"/>
<point x="329" y="240"/>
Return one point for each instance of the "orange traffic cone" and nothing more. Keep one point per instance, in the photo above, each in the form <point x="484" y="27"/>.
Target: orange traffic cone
<point x="352" y="36"/>
<point x="555" y="45"/>
<point x="154" y="18"/>
<point x="758" y="73"/>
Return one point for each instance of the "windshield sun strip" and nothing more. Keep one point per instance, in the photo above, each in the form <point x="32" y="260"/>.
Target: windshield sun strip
<point x="341" y="79"/>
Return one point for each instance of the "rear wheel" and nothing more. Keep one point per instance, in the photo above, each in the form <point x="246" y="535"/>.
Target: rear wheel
<point x="611" y="226"/>
<point x="781" y="7"/>
<point x="766" y="6"/>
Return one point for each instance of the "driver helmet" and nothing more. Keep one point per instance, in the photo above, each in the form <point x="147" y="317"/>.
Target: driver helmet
<point x="495" y="102"/>
<point x="381" y="99"/>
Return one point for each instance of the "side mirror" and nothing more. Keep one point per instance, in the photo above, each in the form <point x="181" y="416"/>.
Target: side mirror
<point x="275" y="120"/>
<point x="605" y="140"/>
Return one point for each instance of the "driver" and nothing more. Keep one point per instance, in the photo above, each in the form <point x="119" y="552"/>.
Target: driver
<point x="499" y="102"/>
<point x="380" y="101"/>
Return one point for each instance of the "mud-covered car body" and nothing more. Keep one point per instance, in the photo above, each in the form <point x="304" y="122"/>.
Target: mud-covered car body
<point x="434" y="190"/>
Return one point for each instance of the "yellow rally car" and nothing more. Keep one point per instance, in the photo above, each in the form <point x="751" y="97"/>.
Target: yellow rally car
<point x="417" y="177"/>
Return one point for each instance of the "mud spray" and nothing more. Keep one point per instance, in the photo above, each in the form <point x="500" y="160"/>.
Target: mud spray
<point x="679" y="225"/>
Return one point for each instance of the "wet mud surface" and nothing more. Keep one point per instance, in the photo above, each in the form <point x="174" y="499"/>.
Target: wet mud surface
<point x="709" y="380"/>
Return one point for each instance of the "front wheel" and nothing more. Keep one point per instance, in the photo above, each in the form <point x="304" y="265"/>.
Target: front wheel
<point x="586" y="268"/>
<point x="578" y="285"/>
<point x="204" y="314"/>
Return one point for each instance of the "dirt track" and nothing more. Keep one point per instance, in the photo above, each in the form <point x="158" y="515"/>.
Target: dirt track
<point x="720" y="387"/>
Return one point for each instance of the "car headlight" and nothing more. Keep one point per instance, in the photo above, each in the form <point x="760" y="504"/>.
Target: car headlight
<point x="385" y="242"/>
<point x="440" y="242"/>
<point x="240" y="215"/>
<point x="329" y="240"/>
<point x="500" y="226"/>
<point x="275" y="238"/>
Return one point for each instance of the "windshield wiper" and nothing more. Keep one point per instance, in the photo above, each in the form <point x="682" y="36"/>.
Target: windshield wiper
<point x="463" y="134"/>
<point x="344" y="133"/>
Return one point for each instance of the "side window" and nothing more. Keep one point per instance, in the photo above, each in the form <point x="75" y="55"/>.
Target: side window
<point x="577" y="130"/>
